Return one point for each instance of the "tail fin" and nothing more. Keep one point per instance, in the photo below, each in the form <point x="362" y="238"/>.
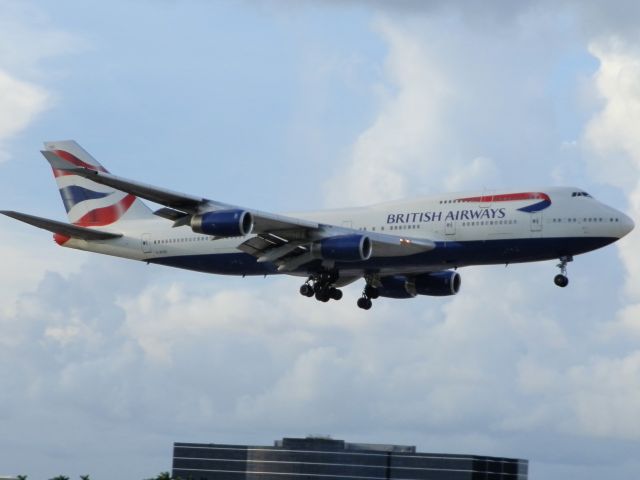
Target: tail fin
<point x="90" y="204"/>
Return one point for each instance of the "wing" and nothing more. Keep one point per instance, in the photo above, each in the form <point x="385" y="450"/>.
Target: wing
<point x="180" y="206"/>
<point x="279" y="239"/>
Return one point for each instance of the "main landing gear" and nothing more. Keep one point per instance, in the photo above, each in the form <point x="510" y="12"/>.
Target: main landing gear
<point x="369" y="293"/>
<point x="322" y="287"/>
<point x="561" y="279"/>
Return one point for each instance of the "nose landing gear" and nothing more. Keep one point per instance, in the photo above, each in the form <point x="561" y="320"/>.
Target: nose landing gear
<point x="561" y="279"/>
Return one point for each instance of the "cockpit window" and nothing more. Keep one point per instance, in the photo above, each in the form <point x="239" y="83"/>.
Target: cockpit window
<point x="581" y="194"/>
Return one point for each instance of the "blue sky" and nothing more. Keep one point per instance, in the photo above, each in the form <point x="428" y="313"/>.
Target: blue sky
<point x="288" y="106"/>
<point x="208" y="71"/>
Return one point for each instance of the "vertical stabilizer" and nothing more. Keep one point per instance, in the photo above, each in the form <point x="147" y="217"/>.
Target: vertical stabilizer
<point x="87" y="203"/>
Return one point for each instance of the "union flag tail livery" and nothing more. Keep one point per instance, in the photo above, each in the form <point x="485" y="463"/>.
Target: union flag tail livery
<point x="90" y="204"/>
<point x="402" y="249"/>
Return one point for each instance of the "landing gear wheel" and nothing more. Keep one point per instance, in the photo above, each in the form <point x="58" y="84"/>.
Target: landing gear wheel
<point x="335" y="293"/>
<point x="364" y="303"/>
<point x="371" y="292"/>
<point x="306" y="290"/>
<point x="321" y="285"/>
<point x="561" y="280"/>
<point x="322" y="296"/>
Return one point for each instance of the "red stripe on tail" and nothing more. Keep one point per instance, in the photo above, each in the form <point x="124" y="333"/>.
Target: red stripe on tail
<point x="76" y="161"/>
<point x="106" y="215"/>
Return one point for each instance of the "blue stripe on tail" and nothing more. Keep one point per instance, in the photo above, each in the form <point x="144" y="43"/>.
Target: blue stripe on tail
<point x="74" y="194"/>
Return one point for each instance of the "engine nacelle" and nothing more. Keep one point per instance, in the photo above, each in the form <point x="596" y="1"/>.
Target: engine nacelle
<point x="438" y="284"/>
<point x="343" y="248"/>
<point x="223" y="223"/>
<point x="396" y="286"/>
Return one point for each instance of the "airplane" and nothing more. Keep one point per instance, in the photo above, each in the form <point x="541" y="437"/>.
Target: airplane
<point x="401" y="249"/>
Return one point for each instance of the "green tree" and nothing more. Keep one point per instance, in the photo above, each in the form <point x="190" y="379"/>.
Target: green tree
<point x="60" y="477"/>
<point x="84" y="477"/>
<point x="165" y="476"/>
<point x="22" y="477"/>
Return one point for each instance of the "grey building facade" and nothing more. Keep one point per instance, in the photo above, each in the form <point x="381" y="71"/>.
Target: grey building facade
<point x="315" y="458"/>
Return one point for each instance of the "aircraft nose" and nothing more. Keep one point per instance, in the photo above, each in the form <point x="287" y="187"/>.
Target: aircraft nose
<point x="626" y="224"/>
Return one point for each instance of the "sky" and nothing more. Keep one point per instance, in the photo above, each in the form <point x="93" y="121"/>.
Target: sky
<point x="292" y="105"/>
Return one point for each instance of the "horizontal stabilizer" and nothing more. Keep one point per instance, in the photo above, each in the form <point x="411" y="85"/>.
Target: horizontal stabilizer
<point x="61" y="227"/>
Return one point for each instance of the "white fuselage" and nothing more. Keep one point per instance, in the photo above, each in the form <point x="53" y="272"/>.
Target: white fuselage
<point x="485" y="227"/>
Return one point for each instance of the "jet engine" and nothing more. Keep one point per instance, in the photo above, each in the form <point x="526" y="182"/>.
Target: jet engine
<point x="223" y="223"/>
<point x="343" y="248"/>
<point x="438" y="284"/>
<point x="396" y="286"/>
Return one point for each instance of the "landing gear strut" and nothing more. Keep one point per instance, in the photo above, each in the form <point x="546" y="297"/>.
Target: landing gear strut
<point x="321" y="286"/>
<point x="369" y="293"/>
<point x="561" y="279"/>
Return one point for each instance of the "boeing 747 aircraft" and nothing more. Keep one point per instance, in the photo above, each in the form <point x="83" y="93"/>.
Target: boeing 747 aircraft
<point x="401" y="249"/>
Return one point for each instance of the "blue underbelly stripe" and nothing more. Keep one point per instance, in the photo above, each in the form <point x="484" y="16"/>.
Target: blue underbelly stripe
<point x="445" y="255"/>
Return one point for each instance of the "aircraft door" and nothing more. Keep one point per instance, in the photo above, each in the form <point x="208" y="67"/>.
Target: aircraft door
<point x="536" y="222"/>
<point x="146" y="243"/>
<point x="449" y="227"/>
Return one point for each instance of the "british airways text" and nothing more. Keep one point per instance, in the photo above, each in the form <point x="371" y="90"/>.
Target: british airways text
<point x="426" y="217"/>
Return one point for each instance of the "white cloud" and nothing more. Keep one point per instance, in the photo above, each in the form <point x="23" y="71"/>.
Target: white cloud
<point x="29" y="38"/>
<point x="461" y="364"/>
<point x="460" y="109"/>
<point x="606" y="396"/>
<point x="480" y="171"/>
<point x="613" y="139"/>
<point x="20" y="103"/>
<point x="27" y="256"/>
<point x="26" y="40"/>
<point x="612" y="133"/>
<point x="402" y="136"/>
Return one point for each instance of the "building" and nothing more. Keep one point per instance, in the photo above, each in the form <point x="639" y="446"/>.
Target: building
<point x="318" y="458"/>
